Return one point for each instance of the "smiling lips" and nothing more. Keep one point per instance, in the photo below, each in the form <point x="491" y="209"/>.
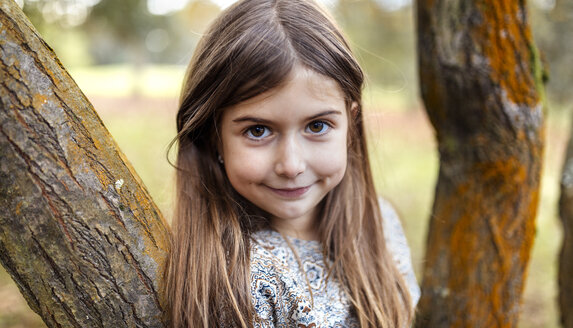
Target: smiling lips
<point x="290" y="192"/>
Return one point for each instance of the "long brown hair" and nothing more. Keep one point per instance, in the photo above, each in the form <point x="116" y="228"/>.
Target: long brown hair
<point x="251" y="48"/>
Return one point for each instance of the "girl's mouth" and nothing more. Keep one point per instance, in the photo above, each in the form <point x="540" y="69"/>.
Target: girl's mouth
<point x="290" y="192"/>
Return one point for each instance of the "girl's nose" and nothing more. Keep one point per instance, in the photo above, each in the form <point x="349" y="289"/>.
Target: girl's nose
<point x="290" y="158"/>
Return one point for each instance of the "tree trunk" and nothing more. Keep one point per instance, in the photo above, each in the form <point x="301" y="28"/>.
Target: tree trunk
<point x="566" y="254"/>
<point x="481" y="82"/>
<point x="79" y="233"/>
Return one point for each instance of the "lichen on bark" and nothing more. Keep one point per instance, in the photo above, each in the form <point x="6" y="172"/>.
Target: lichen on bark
<point x="480" y="85"/>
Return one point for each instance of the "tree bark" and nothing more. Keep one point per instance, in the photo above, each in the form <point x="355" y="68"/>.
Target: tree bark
<point x="565" y="276"/>
<point x="481" y="82"/>
<point x="79" y="233"/>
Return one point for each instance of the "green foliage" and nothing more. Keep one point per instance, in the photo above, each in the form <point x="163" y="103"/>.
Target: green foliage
<point x="384" y="44"/>
<point x="125" y="80"/>
<point x="111" y="31"/>
<point x="552" y="28"/>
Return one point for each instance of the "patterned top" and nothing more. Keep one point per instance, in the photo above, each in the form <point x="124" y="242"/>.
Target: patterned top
<point x="279" y="289"/>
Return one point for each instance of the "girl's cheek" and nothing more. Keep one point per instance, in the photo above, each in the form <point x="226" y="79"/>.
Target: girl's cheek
<point x="331" y="160"/>
<point x="245" y="165"/>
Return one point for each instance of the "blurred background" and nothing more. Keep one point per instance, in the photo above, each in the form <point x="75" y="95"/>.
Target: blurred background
<point x="129" y="58"/>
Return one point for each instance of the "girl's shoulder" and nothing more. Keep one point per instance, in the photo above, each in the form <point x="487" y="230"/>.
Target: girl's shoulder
<point x="398" y="246"/>
<point x="392" y="225"/>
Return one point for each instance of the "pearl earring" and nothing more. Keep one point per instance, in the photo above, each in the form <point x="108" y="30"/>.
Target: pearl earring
<point x="220" y="159"/>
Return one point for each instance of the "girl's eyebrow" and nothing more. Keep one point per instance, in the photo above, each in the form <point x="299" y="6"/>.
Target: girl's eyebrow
<point x="325" y="113"/>
<point x="264" y="121"/>
<point x="251" y="119"/>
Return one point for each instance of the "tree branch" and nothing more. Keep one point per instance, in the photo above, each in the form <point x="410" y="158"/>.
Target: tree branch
<point x="79" y="233"/>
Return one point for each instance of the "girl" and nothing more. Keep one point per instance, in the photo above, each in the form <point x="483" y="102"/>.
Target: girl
<point x="277" y="222"/>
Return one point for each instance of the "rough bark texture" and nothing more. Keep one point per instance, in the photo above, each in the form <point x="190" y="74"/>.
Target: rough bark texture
<point x="79" y="233"/>
<point x="566" y="254"/>
<point x="481" y="82"/>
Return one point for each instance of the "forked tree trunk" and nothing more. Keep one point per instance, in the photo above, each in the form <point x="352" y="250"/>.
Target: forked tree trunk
<point x="566" y="254"/>
<point x="79" y="234"/>
<point x="481" y="82"/>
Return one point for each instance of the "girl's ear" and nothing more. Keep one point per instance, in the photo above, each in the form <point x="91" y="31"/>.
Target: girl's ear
<point x="354" y="109"/>
<point x="219" y="154"/>
<point x="219" y="147"/>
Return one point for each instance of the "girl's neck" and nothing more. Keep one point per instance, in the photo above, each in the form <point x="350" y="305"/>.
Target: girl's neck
<point x="300" y="228"/>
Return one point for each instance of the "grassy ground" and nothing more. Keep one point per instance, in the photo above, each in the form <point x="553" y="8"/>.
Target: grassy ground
<point x="402" y="152"/>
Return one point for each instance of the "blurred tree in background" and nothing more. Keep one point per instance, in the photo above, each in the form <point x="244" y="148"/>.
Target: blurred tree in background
<point x="85" y="32"/>
<point x="554" y="23"/>
<point x="130" y="31"/>
<point x="382" y="36"/>
<point x="121" y="30"/>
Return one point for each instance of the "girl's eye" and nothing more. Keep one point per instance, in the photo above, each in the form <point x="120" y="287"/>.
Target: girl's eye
<point x="257" y="132"/>
<point x="318" y="127"/>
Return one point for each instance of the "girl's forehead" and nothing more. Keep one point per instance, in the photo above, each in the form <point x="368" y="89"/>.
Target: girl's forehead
<point x="318" y="84"/>
<point x="302" y="98"/>
<point x="302" y="82"/>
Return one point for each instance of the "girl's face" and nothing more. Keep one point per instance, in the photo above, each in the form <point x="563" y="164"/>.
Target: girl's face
<point x="286" y="149"/>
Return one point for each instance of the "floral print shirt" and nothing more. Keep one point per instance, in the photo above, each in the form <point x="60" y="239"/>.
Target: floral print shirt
<point x="280" y="289"/>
